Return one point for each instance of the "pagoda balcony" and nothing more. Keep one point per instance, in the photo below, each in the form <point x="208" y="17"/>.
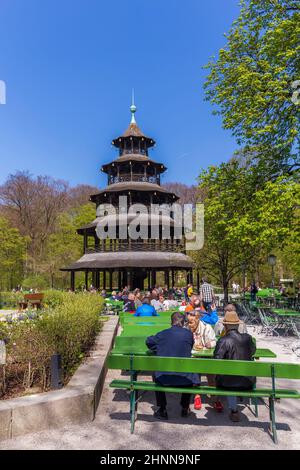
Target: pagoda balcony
<point x="133" y="245"/>
<point x="131" y="150"/>
<point x="127" y="177"/>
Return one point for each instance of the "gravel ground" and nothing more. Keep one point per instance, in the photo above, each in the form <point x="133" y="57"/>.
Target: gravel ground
<point x="204" y="429"/>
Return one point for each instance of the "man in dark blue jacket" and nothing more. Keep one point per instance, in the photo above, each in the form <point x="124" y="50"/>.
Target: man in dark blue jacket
<point x="173" y="342"/>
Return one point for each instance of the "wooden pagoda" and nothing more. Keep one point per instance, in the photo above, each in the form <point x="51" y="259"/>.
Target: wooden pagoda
<point x="121" y="262"/>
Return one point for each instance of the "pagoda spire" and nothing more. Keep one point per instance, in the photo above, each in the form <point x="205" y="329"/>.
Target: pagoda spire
<point x="132" y="108"/>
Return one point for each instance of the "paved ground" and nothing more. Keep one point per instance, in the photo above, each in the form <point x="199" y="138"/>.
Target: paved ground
<point x="204" y="429"/>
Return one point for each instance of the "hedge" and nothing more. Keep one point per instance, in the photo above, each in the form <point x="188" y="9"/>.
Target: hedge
<point x="68" y="326"/>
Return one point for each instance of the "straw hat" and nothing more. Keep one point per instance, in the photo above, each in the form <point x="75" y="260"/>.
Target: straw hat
<point x="231" y="318"/>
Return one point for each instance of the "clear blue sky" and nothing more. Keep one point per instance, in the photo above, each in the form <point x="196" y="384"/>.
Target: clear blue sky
<point x="70" y="65"/>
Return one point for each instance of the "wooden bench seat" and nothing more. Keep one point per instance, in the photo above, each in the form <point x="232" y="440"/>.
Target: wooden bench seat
<point x="31" y="299"/>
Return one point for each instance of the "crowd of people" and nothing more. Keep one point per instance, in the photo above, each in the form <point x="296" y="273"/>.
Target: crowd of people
<point x="195" y="325"/>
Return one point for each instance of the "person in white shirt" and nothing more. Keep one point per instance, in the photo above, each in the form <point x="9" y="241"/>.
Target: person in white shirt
<point x="170" y="303"/>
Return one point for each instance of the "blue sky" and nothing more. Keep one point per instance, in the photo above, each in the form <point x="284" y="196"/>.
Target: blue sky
<point x="69" y="67"/>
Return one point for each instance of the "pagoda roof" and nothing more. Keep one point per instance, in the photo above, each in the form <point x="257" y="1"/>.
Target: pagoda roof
<point x="134" y="186"/>
<point x="137" y="157"/>
<point x="131" y="259"/>
<point x="125" y="219"/>
<point x="133" y="130"/>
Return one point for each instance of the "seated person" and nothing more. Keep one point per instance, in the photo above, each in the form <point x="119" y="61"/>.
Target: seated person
<point x="211" y="316"/>
<point x="170" y="303"/>
<point x="158" y="303"/>
<point x="113" y="295"/>
<point x="138" y="299"/>
<point x="173" y="342"/>
<point x="234" y="345"/>
<point x="204" y="337"/>
<point x="220" y="327"/>
<point x="203" y="334"/>
<point x="129" y="305"/>
<point x="146" y="310"/>
<point x="194" y="303"/>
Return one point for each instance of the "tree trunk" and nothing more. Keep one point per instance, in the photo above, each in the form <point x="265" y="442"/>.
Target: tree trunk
<point x="225" y="288"/>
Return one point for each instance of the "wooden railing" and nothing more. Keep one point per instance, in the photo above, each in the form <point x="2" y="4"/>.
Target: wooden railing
<point x="133" y="177"/>
<point x="133" y="245"/>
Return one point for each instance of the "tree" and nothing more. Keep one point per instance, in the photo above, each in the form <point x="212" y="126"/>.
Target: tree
<point x="12" y="255"/>
<point x="65" y="245"/>
<point x="80" y="194"/>
<point x="187" y="194"/>
<point x="252" y="81"/>
<point x="33" y="206"/>
<point x="243" y="222"/>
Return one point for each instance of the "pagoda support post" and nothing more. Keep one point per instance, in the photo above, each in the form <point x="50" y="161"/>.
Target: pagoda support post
<point x="119" y="280"/>
<point x="129" y="280"/>
<point x="153" y="278"/>
<point x="110" y="279"/>
<point x="187" y="277"/>
<point x="191" y="276"/>
<point x="84" y="241"/>
<point x="149" y="279"/>
<point x="97" y="279"/>
<point x="73" y="281"/>
<point x="173" y="278"/>
<point x="104" y="279"/>
<point x="198" y="281"/>
<point x="86" y="279"/>
<point x="97" y="242"/>
<point x="167" y="279"/>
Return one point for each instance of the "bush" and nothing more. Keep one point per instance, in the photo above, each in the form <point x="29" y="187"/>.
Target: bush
<point x="68" y="327"/>
<point x="72" y="327"/>
<point x="53" y="298"/>
<point x="35" y="281"/>
<point x="10" y="299"/>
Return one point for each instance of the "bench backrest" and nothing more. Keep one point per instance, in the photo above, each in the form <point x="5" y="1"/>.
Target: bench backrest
<point x="127" y="342"/>
<point x="38" y="296"/>
<point x="204" y="366"/>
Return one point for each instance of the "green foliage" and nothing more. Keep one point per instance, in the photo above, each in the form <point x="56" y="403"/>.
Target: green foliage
<point x="72" y="327"/>
<point x="12" y="255"/>
<point x="244" y="219"/>
<point x="53" y="298"/>
<point x="10" y="299"/>
<point x="251" y="83"/>
<point x="68" y="327"/>
<point x="65" y="245"/>
<point x="35" y="281"/>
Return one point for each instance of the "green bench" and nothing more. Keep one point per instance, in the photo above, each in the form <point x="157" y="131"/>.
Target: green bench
<point x="136" y="364"/>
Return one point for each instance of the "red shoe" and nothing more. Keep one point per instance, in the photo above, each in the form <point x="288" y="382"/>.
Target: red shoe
<point x="197" y="402"/>
<point x="218" y="406"/>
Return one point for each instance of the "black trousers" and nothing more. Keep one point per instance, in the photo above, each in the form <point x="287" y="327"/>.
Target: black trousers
<point x="161" y="399"/>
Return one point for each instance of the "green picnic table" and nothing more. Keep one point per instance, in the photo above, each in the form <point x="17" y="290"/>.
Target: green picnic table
<point x="286" y="313"/>
<point x="143" y="329"/>
<point x="136" y="345"/>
